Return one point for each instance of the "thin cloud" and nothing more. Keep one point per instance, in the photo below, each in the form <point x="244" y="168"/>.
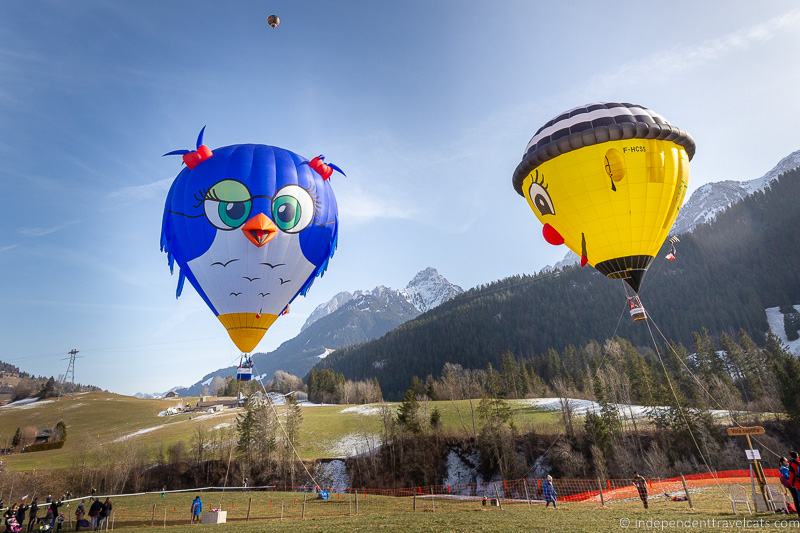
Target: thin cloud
<point x="361" y="206"/>
<point x="668" y="63"/>
<point x="8" y="247"/>
<point x="146" y="191"/>
<point x="41" y="232"/>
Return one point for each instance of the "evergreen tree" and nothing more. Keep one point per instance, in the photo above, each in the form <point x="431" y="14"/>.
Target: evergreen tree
<point x="408" y="412"/>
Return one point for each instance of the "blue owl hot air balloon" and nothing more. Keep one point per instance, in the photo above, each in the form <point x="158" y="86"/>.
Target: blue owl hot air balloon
<point x="250" y="226"/>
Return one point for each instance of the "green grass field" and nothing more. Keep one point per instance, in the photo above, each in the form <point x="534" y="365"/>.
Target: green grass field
<point x="276" y="511"/>
<point x="103" y="418"/>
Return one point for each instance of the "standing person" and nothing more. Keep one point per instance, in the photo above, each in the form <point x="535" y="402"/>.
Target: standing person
<point x="32" y="513"/>
<point x="80" y="512"/>
<point x="52" y="511"/>
<point x="9" y="517"/>
<point x="641" y="487"/>
<point x="94" y="512"/>
<point x="197" y="508"/>
<point x="794" y="479"/>
<point x="549" y="491"/>
<point x="105" y="512"/>
<point x="20" y="516"/>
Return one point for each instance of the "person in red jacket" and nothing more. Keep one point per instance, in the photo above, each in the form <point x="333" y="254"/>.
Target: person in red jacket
<point x="794" y="479"/>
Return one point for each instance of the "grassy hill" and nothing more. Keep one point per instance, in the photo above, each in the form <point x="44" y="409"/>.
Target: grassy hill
<point x="100" y="418"/>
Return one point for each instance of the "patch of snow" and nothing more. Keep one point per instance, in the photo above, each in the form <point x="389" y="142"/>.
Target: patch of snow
<point x="326" y="353"/>
<point x="138" y="433"/>
<point x="775" y="321"/>
<point x="354" y="444"/>
<point x="460" y="472"/>
<point x="332" y="475"/>
<point x="581" y="407"/>
<point x="169" y="411"/>
<point x="27" y="403"/>
<point x="306" y="403"/>
<point x="207" y="382"/>
<point x="223" y="425"/>
<point x="367" y="410"/>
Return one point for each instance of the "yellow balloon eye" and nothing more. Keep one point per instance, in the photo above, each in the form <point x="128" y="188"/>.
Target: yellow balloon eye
<point x="541" y="199"/>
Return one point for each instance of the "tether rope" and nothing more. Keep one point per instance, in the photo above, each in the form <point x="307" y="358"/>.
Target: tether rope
<point x="681" y="410"/>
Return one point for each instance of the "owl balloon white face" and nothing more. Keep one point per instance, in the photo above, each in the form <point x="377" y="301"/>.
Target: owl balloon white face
<point x="250" y="226"/>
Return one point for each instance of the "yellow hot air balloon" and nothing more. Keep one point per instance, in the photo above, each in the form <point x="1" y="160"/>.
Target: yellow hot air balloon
<point x="607" y="180"/>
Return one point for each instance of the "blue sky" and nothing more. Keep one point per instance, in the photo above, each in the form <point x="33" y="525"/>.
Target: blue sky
<point x="426" y="105"/>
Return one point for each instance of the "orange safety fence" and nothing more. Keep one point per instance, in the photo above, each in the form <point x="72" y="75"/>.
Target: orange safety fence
<point x="568" y="489"/>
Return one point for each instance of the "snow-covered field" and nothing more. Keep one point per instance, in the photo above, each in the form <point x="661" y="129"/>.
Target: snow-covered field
<point x="775" y="321"/>
<point x="362" y="409"/>
<point x="581" y="407"/>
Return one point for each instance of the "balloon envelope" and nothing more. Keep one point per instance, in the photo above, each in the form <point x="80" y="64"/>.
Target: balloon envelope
<point x="250" y="227"/>
<point x="607" y="180"/>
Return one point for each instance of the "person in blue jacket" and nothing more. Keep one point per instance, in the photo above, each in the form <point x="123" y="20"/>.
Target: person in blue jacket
<point x="549" y="491"/>
<point x="197" y="508"/>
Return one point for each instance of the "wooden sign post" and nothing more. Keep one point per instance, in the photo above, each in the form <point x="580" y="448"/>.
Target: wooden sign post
<point x="754" y="457"/>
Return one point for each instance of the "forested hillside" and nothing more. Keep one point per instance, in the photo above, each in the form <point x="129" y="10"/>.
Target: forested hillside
<point x="727" y="273"/>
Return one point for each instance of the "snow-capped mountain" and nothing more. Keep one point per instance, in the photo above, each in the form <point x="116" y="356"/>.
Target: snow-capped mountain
<point x="425" y="291"/>
<point x="328" y="307"/>
<point x="429" y="289"/>
<point x="713" y="198"/>
<point x="345" y="320"/>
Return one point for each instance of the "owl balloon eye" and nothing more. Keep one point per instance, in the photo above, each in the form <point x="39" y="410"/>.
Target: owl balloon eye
<point x="292" y="209"/>
<point x="227" y="204"/>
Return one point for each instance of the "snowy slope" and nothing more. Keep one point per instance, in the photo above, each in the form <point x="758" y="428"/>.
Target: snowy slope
<point x="775" y="321"/>
<point x="713" y="198"/>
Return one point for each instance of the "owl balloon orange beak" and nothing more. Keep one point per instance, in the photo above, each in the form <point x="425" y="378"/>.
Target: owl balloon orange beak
<point x="260" y="230"/>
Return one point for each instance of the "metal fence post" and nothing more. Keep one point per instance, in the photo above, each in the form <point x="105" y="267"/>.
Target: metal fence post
<point x="414" y="505"/>
<point x="281" y="510"/>
<point x="686" y="490"/>
<point x="153" y="516"/>
<point x="600" y="488"/>
<point x="497" y="494"/>
<point x="527" y="494"/>
<point x="303" y="511"/>
<point x="249" y="501"/>
<point x="356" y="492"/>
<point x="433" y="500"/>
<point x="165" y="517"/>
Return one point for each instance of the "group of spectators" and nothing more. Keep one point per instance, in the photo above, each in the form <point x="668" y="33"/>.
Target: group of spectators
<point x="46" y="517"/>
<point x="49" y="519"/>
<point x="97" y="516"/>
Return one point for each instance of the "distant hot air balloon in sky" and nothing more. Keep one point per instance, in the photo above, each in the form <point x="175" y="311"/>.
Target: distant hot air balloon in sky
<point x="250" y="226"/>
<point x="607" y="180"/>
<point x="274" y="21"/>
